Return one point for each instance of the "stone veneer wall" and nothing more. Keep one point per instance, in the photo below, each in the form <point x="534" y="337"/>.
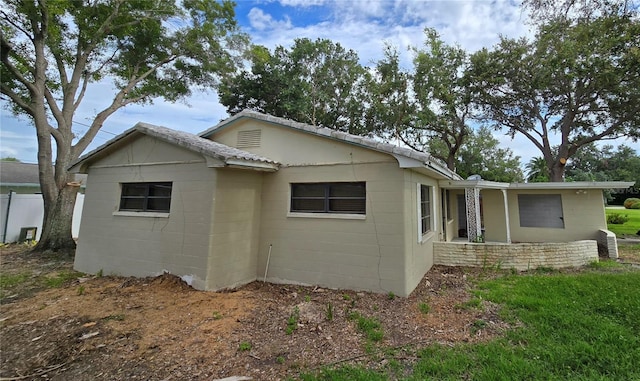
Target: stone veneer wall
<point x="521" y="256"/>
<point x="607" y="239"/>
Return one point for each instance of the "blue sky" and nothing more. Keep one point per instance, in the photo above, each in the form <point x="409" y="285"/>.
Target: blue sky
<point x="364" y="26"/>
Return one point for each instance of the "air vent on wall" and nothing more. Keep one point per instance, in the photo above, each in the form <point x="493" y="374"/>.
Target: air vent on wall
<point x="247" y="139"/>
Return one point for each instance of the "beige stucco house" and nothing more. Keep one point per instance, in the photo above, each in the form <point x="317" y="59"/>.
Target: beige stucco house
<point x="260" y="197"/>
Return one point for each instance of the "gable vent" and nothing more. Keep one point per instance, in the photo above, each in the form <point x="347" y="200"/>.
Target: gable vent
<point x="247" y="139"/>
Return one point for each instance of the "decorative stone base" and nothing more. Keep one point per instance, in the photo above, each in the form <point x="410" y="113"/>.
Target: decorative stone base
<point x="608" y="241"/>
<point x="520" y="256"/>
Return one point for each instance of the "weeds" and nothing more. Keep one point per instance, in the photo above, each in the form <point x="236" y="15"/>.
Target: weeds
<point x="292" y="322"/>
<point x="244" y="346"/>
<point x="424" y="307"/>
<point x="477" y="325"/>
<point x="61" y="278"/>
<point x="216" y="315"/>
<point x="329" y="311"/>
<point x="474" y="303"/>
<point x="371" y="327"/>
<point x="117" y="317"/>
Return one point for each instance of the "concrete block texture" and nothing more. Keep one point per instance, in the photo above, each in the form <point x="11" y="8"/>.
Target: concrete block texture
<point x="520" y="256"/>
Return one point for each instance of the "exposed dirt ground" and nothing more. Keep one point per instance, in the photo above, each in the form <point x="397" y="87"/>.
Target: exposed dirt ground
<point x="114" y="328"/>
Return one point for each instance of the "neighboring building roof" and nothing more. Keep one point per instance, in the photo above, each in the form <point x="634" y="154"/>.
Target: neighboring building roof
<point x="407" y="158"/>
<point x="17" y="173"/>
<point x="229" y="155"/>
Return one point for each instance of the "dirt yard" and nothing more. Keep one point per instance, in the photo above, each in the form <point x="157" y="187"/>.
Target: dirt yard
<point x="112" y="328"/>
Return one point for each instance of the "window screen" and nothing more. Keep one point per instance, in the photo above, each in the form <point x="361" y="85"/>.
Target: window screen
<point x="346" y="198"/>
<point x="541" y="211"/>
<point x="425" y="208"/>
<point x="146" y="197"/>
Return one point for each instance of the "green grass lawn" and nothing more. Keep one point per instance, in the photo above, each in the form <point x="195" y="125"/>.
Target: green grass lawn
<point x="583" y="326"/>
<point x="629" y="228"/>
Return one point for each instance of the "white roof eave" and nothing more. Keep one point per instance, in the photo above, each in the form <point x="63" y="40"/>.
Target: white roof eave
<point x="483" y="184"/>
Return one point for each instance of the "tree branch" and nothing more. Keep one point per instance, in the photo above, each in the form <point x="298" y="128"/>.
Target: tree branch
<point x="17" y="99"/>
<point x="10" y="19"/>
<point x="14" y="71"/>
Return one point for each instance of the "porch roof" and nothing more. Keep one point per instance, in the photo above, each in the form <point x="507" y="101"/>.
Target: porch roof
<point x="484" y="184"/>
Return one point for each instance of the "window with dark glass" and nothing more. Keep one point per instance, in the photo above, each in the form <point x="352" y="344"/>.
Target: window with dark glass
<point x="146" y="197"/>
<point x="540" y="211"/>
<point x="345" y="198"/>
<point x="425" y="208"/>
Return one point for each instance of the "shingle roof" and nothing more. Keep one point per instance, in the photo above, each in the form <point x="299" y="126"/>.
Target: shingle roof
<point x="14" y="172"/>
<point x="425" y="158"/>
<point x="199" y="144"/>
<point x="183" y="139"/>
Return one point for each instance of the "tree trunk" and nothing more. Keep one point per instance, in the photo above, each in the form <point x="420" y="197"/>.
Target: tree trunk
<point x="556" y="172"/>
<point x="56" y="228"/>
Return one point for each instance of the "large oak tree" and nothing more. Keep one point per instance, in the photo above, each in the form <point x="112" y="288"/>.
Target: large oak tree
<point x="577" y="80"/>
<point x="52" y="51"/>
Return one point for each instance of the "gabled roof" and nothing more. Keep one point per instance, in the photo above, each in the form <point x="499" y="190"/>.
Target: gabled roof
<point x="407" y="158"/>
<point x="228" y="155"/>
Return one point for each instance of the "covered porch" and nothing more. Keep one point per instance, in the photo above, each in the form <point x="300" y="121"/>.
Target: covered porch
<point x="524" y="225"/>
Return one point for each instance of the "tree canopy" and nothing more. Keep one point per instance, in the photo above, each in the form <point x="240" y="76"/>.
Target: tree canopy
<point x="52" y="52"/>
<point x="605" y="164"/>
<point x="578" y="80"/>
<point x="317" y="82"/>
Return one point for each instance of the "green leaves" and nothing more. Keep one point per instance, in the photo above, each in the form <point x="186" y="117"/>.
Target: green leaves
<point x="316" y="82"/>
<point x="579" y="80"/>
<point x="53" y="51"/>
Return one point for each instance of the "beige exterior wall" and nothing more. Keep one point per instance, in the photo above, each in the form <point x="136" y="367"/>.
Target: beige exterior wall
<point x="360" y="253"/>
<point x="494" y="218"/>
<point x="236" y="228"/>
<point x="419" y="247"/>
<point x="583" y="212"/>
<point x="293" y="147"/>
<point x="145" y="246"/>
<point x="378" y="253"/>
<point x="451" y="225"/>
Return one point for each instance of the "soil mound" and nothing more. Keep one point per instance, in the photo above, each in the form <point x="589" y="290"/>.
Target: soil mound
<point x="169" y="282"/>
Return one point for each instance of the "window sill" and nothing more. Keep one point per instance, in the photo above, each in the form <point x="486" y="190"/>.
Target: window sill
<point x="426" y="237"/>
<point x="141" y="214"/>
<point x="335" y="216"/>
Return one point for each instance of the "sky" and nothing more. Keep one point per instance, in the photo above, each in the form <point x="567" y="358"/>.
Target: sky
<point x="363" y="26"/>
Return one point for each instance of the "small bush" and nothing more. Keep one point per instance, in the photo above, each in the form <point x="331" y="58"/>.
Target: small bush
<point x="631" y="201"/>
<point x="635" y="206"/>
<point x="617" y="219"/>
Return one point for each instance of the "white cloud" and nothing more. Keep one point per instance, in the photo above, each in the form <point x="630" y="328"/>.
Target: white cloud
<point x="259" y="20"/>
<point x="301" y="3"/>
<point x="362" y="25"/>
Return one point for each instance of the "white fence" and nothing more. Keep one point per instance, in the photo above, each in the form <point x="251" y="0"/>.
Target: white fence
<point x="19" y="211"/>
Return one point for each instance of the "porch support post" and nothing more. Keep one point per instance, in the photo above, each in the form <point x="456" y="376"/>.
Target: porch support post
<point x="506" y="215"/>
<point x="474" y="224"/>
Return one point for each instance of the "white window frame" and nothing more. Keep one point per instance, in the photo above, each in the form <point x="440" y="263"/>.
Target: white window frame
<point x="432" y="211"/>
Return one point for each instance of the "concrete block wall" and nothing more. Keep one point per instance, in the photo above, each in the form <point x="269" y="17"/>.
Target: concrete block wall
<point x="521" y="256"/>
<point x="607" y="239"/>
